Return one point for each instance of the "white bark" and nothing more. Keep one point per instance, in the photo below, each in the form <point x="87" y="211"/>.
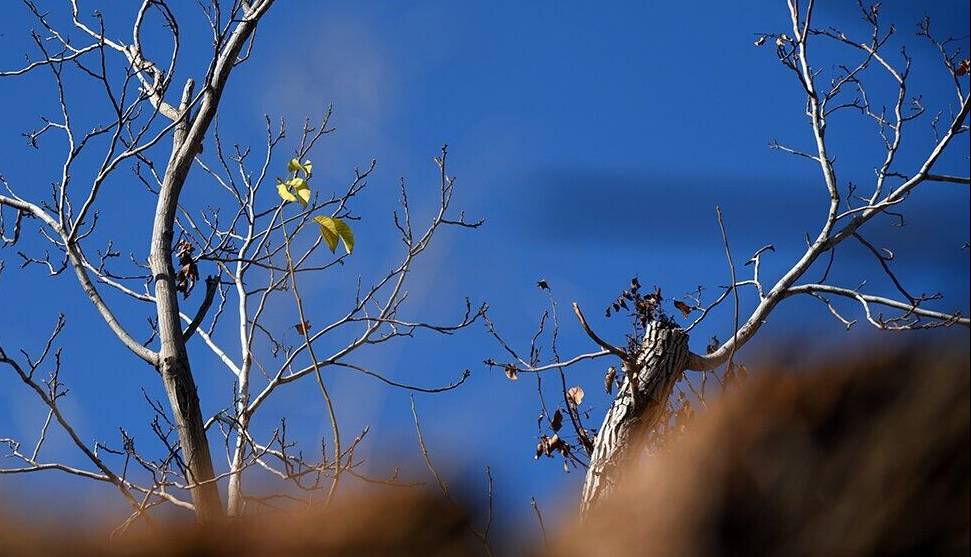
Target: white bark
<point x="173" y="358"/>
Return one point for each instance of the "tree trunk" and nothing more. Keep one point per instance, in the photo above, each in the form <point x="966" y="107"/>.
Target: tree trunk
<point x="635" y="411"/>
<point x="173" y="357"/>
<point x="174" y="363"/>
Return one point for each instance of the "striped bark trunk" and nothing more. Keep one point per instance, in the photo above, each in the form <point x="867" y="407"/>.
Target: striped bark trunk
<point x="635" y="411"/>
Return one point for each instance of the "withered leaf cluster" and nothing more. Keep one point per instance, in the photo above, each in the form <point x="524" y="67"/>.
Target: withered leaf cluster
<point x="642" y="307"/>
<point x="188" y="273"/>
<point x="628" y="295"/>
<point x="735" y="374"/>
<point x="511" y="372"/>
<point x="550" y="445"/>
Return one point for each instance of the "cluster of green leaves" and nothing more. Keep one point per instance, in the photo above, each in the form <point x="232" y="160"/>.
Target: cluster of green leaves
<point x="297" y="190"/>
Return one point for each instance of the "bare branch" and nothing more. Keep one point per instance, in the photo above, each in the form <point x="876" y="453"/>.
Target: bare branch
<point x="596" y="339"/>
<point x="910" y="309"/>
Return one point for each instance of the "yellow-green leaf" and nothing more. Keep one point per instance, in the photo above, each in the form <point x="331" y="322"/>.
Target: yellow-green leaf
<point x="281" y="188"/>
<point x="333" y="230"/>
<point x="304" y="196"/>
<point x="294" y="165"/>
<point x="328" y="229"/>
<point x="347" y="237"/>
<point x="300" y="187"/>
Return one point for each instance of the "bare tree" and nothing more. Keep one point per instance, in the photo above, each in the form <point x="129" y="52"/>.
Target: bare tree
<point x="256" y="242"/>
<point x="656" y="355"/>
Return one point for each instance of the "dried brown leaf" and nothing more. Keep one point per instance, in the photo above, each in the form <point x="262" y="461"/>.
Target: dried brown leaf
<point x="542" y="447"/>
<point x="557" y="422"/>
<point x="684" y="308"/>
<point x="188" y="273"/>
<point x="609" y="379"/>
<point x="511" y="372"/>
<point x="575" y="395"/>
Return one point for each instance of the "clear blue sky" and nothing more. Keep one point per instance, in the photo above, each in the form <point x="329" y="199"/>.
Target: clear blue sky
<point x="595" y="140"/>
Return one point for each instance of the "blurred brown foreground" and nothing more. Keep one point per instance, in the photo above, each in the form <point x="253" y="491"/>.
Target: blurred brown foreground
<point x="867" y="455"/>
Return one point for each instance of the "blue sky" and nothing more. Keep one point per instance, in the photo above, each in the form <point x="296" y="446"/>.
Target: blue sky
<point x="595" y="140"/>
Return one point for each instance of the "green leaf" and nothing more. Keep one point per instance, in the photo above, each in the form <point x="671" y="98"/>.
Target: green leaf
<point x="281" y="188"/>
<point x="333" y="230"/>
